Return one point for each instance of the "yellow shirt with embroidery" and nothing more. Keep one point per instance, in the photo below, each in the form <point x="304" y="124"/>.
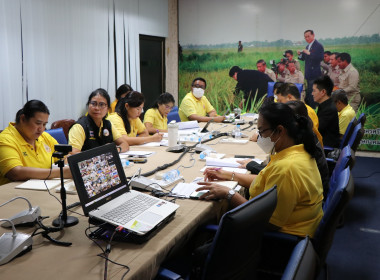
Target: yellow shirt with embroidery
<point x="154" y="117"/>
<point x="299" y="190"/>
<point x="15" y="151"/>
<point x="137" y="126"/>
<point x="191" y="105"/>
<point x="345" y="116"/>
<point x="77" y="135"/>
<point x="314" y="118"/>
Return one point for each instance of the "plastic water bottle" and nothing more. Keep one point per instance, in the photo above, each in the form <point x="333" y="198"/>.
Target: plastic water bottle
<point x="237" y="132"/>
<point x="204" y="154"/>
<point x="125" y="162"/>
<point x="171" y="175"/>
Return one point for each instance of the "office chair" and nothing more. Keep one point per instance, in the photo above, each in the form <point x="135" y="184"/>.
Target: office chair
<point x="303" y="263"/>
<point x="65" y="124"/>
<point x="235" y="249"/>
<point x="173" y="115"/>
<point x="356" y="137"/>
<point x="58" y="135"/>
<point x="362" y="119"/>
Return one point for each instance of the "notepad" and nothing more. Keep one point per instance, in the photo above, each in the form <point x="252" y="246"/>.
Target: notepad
<point x="231" y="169"/>
<point x="222" y="162"/>
<point x="39" y="185"/>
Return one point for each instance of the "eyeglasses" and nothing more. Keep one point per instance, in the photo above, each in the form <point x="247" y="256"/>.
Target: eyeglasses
<point x="95" y="104"/>
<point x="262" y="131"/>
<point x="167" y="107"/>
<point x="199" y="86"/>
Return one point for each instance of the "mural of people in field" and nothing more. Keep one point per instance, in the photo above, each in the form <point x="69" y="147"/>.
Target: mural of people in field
<point x="297" y="40"/>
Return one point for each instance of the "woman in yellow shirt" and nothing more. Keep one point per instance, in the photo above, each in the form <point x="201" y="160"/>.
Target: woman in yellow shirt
<point x="122" y="91"/>
<point x="26" y="149"/>
<point x="293" y="169"/>
<point x="156" y="118"/>
<point x="126" y="120"/>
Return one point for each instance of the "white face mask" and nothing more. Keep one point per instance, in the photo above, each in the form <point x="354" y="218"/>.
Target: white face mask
<point x="266" y="144"/>
<point x="198" y="92"/>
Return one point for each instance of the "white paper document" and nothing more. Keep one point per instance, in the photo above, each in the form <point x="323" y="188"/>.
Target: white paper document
<point x="39" y="185"/>
<point x="222" y="162"/>
<point x="187" y="125"/>
<point x="136" y="153"/>
<point x="231" y="169"/>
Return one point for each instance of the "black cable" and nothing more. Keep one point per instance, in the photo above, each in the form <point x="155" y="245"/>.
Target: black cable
<point x="250" y="125"/>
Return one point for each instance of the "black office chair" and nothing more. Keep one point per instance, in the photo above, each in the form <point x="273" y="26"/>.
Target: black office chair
<point x="235" y="249"/>
<point x="303" y="263"/>
<point x="356" y="137"/>
<point x="362" y="119"/>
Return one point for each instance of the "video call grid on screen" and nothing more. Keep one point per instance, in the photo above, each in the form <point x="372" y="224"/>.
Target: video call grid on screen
<point x="99" y="174"/>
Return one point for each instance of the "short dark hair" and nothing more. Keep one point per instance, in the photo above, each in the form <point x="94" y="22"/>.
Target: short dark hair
<point x="124" y="88"/>
<point x="340" y="95"/>
<point x="289" y="52"/>
<point x="101" y="92"/>
<point x="298" y="107"/>
<point x="309" y="30"/>
<point x="289" y="88"/>
<point x="327" y="52"/>
<point x="277" y="85"/>
<point x="325" y="83"/>
<point x="261" y="61"/>
<point x="344" y="57"/>
<point x="30" y="108"/>
<point x="235" y="69"/>
<point x="199" y="79"/>
<point x="335" y="53"/>
<point x="164" y="98"/>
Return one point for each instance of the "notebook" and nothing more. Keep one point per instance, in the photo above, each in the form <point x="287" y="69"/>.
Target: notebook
<point x="105" y="194"/>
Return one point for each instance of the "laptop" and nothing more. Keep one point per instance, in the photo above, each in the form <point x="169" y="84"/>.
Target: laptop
<point x="105" y="194"/>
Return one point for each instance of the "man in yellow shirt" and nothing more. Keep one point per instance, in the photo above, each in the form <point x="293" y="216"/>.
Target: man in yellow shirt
<point x="288" y="92"/>
<point x="196" y="107"/>
<point x="345" y="112"/>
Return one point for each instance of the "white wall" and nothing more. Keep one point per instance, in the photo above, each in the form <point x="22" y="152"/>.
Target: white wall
<point x="60" y="51"/>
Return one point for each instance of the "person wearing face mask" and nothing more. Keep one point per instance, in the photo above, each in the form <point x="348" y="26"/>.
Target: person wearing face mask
<point x="127" y="121"/>
<point x="292" y="168"/>
<point x="196" y="107"/>
<point x="26" y="149"/>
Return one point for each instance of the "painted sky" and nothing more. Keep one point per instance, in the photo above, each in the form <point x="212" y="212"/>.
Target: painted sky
<point x="228" y="21"/>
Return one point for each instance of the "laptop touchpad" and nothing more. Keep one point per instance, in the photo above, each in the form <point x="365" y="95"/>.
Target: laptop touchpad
<point x="149" y="217"/>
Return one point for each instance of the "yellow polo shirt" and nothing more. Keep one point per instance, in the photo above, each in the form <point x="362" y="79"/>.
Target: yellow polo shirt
<point x="77" y="135"/>
<point x="113" y="106"/>
<point x="137" y="126"/>
<point x="15" y="151"/>
<point x="154" y="117"/>
<point x="191" y="105"/>
<point x="345" y="116"/>
<point x="299" y="190"/>
<point x="314" y="118"/>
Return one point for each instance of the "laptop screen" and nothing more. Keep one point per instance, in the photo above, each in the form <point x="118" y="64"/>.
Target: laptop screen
<point x="98" y="175"/>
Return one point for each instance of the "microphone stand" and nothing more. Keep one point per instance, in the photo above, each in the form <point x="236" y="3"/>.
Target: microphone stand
<point x="63" y="220"/>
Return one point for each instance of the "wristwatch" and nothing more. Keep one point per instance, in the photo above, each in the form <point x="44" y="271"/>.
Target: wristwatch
<point x="230" y="194"/>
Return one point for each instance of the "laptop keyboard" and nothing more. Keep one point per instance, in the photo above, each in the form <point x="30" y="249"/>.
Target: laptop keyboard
<point x="130" y="209"/>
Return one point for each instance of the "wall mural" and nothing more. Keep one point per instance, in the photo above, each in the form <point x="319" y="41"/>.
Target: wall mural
<point x="215" y="35"/>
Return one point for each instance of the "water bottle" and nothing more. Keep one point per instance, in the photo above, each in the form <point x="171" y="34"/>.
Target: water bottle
<point x="237" y="132"/>
<point x="172" y="133"/>
<point x="204" y="154"/>
<point x="171" y="175"/>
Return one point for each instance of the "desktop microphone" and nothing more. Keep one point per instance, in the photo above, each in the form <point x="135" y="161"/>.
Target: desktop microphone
<point x="13" y="244"/>
<point x="26" y="217"/>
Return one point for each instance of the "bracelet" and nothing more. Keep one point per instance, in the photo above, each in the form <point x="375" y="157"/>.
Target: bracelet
<point x="233" y="175"/>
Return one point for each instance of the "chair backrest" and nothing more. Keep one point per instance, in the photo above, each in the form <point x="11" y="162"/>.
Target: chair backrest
<point x="173" y="115"/>
<point x="245" y="222"/>
<point x="344" y="160"/>
<point x="348" y="132"/>
<point x="362" y="119"/>
<point x="58" y="135"/>
<point x="356" y="137"/>
<point x="303" y="263"/>
<point x="65" y="124"/>
<point x="339" y="195"/>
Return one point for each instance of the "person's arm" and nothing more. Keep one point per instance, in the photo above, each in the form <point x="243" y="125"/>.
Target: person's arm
<point x="77" y="137"/>
<point x="122" y="143"/>
<point x="152" y="130"/>
<point x="23" y="173"/>
<point x="217" y="174"/>
<point x="216" y="191"/>
<point x="139" y="140"/>
<point x="353" y="81"/>
<point x="199" y="118"/>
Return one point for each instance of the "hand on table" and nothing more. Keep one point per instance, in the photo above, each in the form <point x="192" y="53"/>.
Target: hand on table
<point x="215" y="191"/>
<point x="214" y="174"/>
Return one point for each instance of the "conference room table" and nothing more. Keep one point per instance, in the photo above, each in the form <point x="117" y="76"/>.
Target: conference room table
<point x="80" y="261"/>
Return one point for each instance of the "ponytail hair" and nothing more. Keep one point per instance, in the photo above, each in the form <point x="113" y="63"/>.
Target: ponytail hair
<point x="30" y="108"/>
<point x="298" y="127"/>
<point x="164" y="98"/>
<point x="134" y="99"/>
